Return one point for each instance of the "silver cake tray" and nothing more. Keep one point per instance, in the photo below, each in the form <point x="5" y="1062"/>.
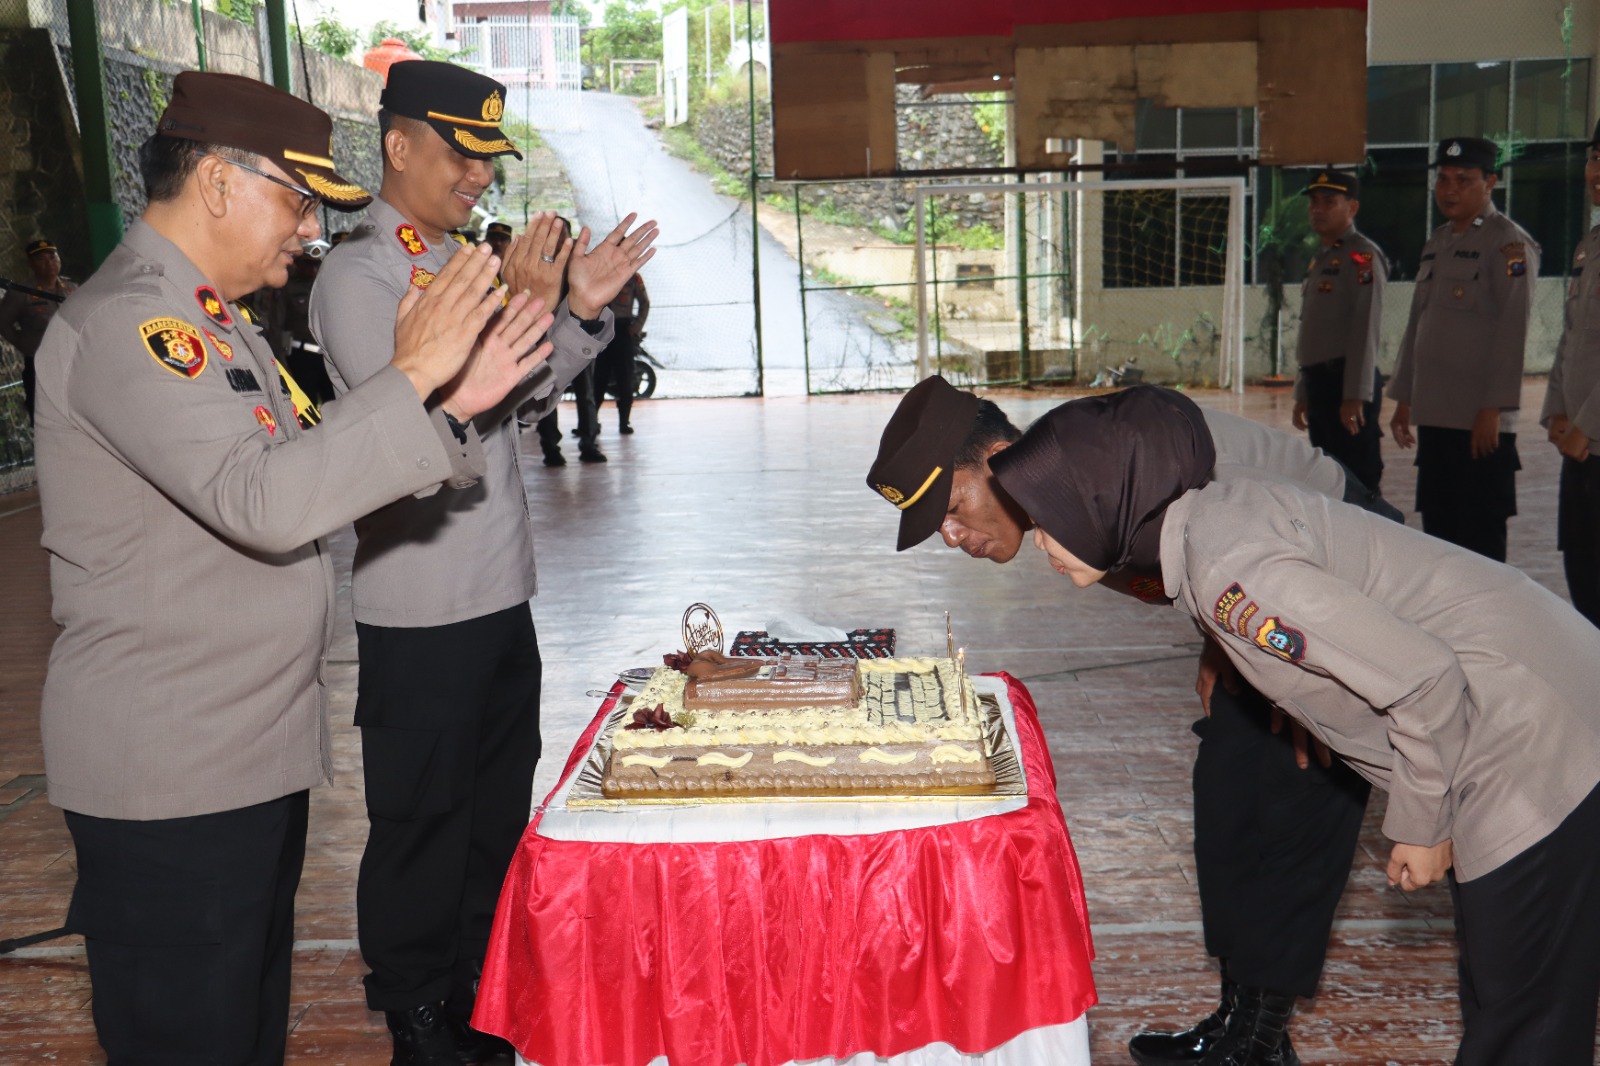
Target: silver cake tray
<point x="586" y="788"/>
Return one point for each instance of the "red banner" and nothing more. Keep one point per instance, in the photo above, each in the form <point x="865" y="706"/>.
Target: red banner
<point x="796" y="21"/>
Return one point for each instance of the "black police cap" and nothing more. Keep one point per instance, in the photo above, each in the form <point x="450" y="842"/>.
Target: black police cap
<point x="1339" y="181"/>
<point x="1474" y="152"/>
<point x="916" y="455"/>
<point x="465" y="107"/>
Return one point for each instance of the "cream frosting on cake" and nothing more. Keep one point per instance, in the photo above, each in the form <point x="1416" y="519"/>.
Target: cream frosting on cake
<point x="912" y="730"/>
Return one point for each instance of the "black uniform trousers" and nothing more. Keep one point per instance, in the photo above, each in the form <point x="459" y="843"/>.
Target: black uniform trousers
<point x="1361" y="451"/>
<point x="1273" y="845"/>
<point x="1578" y="533"/>
<point x="188" y="925"/>
<point x="1529" y="933"/>
<point x="613" y="369"/>
<point x="1463" y="500"/>
<point x="550" y="424"/>
<point x="449" y="719"/>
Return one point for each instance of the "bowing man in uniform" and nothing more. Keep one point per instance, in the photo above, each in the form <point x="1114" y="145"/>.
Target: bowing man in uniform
<point x="1571" y="413"/>
<point x="1338" y="396"/>
<point x="448" y="696"/>
<point x="1459" y="372"/>
<point x="1456" y="683"/>
<point x="184" y="502"/>
<point x="1275" y="834"/>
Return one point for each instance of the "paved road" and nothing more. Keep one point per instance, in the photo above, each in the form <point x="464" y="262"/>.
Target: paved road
<point x="701" y="318"/>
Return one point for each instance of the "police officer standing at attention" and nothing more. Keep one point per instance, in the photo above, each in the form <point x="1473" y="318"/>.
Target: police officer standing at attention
<point x="184" y="716"/>
<point x="24" y="316"/>
<point x="1571" y="414"/>
<point x="1459" y="372"/>
<point x="1338" y="396"/>
<point x="448" y="696"/>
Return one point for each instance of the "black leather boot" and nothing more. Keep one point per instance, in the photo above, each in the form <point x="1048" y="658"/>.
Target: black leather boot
<point x="1257" y="1033"/>
<point x="423" y="1036"/>
<point x="1158" y="1047"/>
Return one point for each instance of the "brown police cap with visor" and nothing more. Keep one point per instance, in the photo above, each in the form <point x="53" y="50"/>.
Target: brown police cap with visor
<point x="233" y="112"/>
<point x="917" y="455"/>
<point x="465" y="107"/>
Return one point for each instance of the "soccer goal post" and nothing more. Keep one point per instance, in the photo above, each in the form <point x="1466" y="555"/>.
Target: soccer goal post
<point x="1088" y="279"/>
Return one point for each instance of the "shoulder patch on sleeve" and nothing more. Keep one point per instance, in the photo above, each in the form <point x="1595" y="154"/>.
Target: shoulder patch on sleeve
<point x="174" y="344"/>
<point x="1284" y="641"/>
<point x="1222" y="611"/>
<point x="1516" y="254"/>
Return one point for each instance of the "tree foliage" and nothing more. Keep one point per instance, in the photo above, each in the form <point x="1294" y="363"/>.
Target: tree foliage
<point x="416" y="39"/>
<point x="331" y="37"/>
<point x="632" y="30"/>
<point x="239" y="10"/>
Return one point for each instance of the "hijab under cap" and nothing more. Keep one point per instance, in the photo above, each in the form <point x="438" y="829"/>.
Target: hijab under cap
<point x="1097" y="474"/>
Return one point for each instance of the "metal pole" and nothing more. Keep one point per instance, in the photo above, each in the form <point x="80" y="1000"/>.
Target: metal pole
<point x="199" y="33"/>
<point x="800" y="250"/>
<point x="922" y="293"/>
<point x="99" y="173"/>
<point x="1022" y="288"/>
<point x="278" y="39"/>
<point x="755" y="225"/>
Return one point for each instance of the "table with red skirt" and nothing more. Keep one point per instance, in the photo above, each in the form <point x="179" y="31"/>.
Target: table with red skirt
<point x="765" y="933"/>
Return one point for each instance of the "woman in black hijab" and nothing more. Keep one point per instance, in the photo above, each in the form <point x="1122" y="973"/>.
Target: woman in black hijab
<point x="1132" y="453"/>
<point x="1386" y="644"/>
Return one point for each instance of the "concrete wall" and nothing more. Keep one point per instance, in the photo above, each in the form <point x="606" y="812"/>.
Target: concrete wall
<point x="1445" y="31"/>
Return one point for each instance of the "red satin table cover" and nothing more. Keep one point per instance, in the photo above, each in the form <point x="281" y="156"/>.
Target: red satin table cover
<point x="770" y="951"/>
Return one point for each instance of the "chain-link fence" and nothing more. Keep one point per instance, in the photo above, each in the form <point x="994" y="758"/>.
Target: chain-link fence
<point x="143" y="44"/>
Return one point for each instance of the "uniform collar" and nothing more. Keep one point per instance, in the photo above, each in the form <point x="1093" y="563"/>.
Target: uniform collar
<point x="1174" y="536"/>
<point x="209" y="309"/>
<point x="403" y="235"/>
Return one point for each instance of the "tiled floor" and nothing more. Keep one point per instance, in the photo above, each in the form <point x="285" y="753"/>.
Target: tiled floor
<point x="759" y="508"/>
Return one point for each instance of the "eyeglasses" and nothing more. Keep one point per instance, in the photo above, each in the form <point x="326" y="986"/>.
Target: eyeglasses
<point x="309" y="201"/>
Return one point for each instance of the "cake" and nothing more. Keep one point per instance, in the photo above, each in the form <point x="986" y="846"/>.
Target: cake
<point x="794" y="726"/>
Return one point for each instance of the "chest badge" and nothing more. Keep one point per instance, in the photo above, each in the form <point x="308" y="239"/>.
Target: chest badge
<point x="268" y="423"/>
<point x="1325" y="286"/>
<point x="422" y="278"/>
<point x="176" y="345"/>
<point x="211" y="303"/>
<point x="223" y="348"/>
<point x="406" y="233"/>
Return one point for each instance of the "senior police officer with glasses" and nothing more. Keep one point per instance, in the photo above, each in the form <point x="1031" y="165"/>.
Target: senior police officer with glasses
<point x="184" y="712"/>
<point x="1458" y="376"/>
<point x="450" y="673"/>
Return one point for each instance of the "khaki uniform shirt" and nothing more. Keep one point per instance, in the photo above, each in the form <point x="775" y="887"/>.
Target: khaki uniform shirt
<point x="1464" y="343"/>
<point x="182" y="504"/>
<point x="1341" y="312"/>
<point x="455" y="555"/>
<point x="24" y="317"/>
<point x="1458" y="684"/>
<point x="1574" y="389"/>
<point x="1247" y="448"/>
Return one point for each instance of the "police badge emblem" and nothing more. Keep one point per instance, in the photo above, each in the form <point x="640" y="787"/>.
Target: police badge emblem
<point x="176" y="345"/>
